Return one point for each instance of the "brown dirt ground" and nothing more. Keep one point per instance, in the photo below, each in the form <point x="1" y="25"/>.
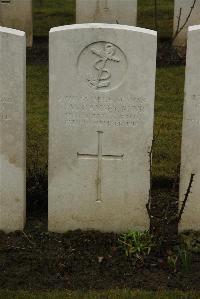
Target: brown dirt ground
<point x="36" y="259"/>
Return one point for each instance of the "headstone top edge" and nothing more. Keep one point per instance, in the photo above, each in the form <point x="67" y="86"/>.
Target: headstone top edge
<point x="12" y="31"/>
<point x="193" y="28"/>
<point x="103" y="26"/>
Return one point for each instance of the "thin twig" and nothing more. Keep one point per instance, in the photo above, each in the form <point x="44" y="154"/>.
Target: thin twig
<point x="150" y="154"/>
<point x="148" y="205"/>
<point x="25" y="235"/>
<point x="179" y="20"/>
<point x="186" y="197"/>
<point x="179" y="29"/>
<point x="155" y="15"/>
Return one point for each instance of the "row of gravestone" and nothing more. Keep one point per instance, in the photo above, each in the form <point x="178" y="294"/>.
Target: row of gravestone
<point x="101" y="113"/>
<point x="186" y="13"/>
<point x="18" y="14"/>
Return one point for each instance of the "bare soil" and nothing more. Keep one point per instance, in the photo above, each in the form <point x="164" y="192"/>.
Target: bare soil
<point x="39" y="260"/>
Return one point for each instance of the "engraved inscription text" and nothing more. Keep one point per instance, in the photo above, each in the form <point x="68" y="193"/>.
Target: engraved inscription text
<point x="6" y="106"/>
<point x="103" y="111"/>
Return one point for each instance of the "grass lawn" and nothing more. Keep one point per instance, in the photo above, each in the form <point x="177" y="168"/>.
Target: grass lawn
<point x="126" y="294"/>
<point x="168" y="121"/>
<point x="165" y="11"/>
<point x="48" y="13"/>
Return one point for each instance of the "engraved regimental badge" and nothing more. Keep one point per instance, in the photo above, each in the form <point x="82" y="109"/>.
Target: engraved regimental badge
<point x="102" y="66"/>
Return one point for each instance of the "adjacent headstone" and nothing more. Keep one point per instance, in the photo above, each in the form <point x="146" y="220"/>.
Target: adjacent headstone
<point x="12" y="129"/>
<point x="107" y="11"/>
<point x="190" y="161"/>
<point x="186" y="13"/>
<point x="102" y="81"/>
<point x="17" y="14"/>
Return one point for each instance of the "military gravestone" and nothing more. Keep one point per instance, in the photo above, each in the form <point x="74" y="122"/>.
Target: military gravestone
<point x="107" y="11"/>
<point x="12" y="128"/>
<point x="101" y="126"/>
<point x="186" y="13"/>
<point x="17" y="14"/>
<point x="190" y="160"/>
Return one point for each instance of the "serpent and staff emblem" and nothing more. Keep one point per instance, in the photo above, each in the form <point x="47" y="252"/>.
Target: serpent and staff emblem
<point x="103" y="73"/>
<point x="102" y="66"/>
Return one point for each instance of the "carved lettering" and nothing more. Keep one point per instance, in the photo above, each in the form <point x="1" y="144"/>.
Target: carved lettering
<point x="6" y="106"/>
<point x="102" y="111"/>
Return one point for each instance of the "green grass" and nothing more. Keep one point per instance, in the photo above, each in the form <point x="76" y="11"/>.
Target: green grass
<point x="37" y="114"/>
<point x="126" y="294"/>
<point x="49" y="13"/>
<point x="165" y="11"/>
<point x="168" y="121"/>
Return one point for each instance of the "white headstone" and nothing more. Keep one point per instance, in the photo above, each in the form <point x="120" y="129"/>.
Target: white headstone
<point x="17" y="14"/>
<point x="190" y="160"/>
<point x="107" y="11"/>
<point x="183" y="14"/>
<point x="102" y="81"/>
<point x="12" y="129"/>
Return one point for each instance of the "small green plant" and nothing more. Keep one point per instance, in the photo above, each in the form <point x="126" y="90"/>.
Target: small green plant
<point x="137" y="244"/>
<point x="180" y="258"/>
<point x="185" y="259"/>
<point x="172" y="261"/>
<point x="191" y="239"/>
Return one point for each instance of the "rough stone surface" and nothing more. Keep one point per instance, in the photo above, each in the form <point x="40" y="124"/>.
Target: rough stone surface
<point x="107" y="11"/>
<point x="190" y="160"/>
<point x="12" y="129"/>
<point x="194" y="19"/>
<point x="17" y="14"/>
<point x="101" y="126"/>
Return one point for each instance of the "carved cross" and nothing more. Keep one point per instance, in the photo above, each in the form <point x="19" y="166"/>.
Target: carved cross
<point x="106" y="5"/>
<point x="5" y="1"/>
<point x="99" y="156"/>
